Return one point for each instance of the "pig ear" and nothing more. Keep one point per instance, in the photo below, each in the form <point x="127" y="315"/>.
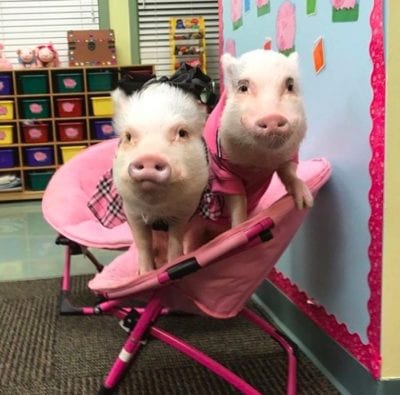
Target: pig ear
<point x="120" y="99"/>
<point x="294" y="58"/>
<point x="230" y="67"/>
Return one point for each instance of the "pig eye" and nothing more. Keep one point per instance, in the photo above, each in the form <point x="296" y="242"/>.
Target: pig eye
<point x="128" y="136"/>
<point x="290" y="84"/>
<point x="183" y="133"/>
<point x="243" y="86"/>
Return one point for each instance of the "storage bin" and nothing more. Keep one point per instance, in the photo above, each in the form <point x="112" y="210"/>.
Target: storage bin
<point x="39" y="156"/>
<point x="7" y="158"/>
<point x="6" y="109"/>
<point x="35" y="133"/>
<point x="35" y="108"/>
<point x="69" y="83"/>
<point x="5" y="84"/>
<point x="100" y="81"/>
<point x="37" y="181"/>
<point x="70" y="131"/>
<point x="102" y="106"/>
<point x="34" y="83"/>
<point x="69" y="152"/>
<point x="6" y="134"/>
<point x="103" y="129"/>
<point x="69" y="107"/>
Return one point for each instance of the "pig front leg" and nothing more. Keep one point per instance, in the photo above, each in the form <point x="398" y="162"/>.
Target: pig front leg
<point x="237" y="208"/>
<point x="142" y="235"/>
<point x="295" y="186"/>
<point x="175" y="241"/>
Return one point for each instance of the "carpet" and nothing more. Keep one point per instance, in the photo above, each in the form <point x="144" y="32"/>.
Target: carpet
<point x="42" y="352"/>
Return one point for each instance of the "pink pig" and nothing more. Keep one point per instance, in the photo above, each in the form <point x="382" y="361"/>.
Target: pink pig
<point x="286" y="26"/>
<point x="341" y="4"/>
<point x="259" y="126"/>
<point x="160" y="169"/>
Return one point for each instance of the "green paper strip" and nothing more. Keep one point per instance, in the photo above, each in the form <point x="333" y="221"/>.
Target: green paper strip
<point x="238" y="23"/>
<point x="311" y="7"/>
<point x="264" y="9"/>
<point x="287" y="52"/>
<point x="346" y="15"/>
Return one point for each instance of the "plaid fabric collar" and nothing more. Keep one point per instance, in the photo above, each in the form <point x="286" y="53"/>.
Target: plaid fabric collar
<point x="106" y="203"/>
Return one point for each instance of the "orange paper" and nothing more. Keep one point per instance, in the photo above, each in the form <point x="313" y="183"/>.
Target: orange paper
<point x="319" y="55"/>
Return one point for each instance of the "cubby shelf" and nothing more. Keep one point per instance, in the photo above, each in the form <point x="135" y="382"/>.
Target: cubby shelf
<point x="44" y="110"/>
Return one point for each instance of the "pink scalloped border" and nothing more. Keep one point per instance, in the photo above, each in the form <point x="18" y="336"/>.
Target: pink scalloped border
<point x="367" y="354"/>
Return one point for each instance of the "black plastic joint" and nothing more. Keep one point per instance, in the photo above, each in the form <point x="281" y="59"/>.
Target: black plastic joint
<point x="66" y="307"/>
<point x="266" y="235"/>
<point x="183" y="268"/>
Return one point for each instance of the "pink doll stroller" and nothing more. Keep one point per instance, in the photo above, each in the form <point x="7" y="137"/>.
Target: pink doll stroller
<point x="215" y="280"/>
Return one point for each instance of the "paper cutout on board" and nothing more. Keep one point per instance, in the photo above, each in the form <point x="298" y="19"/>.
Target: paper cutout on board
<point x="263" y="7"/>
<point x="230" y="46"/>
<point x="345" y="10"/>
<point x="237" y="13"/>
<point x="286" y="28"/>
<point x="247" y="5"/>
<point x="267" y="43"/>
<point x="319" y="55"/>
<point x="311" y="7"/>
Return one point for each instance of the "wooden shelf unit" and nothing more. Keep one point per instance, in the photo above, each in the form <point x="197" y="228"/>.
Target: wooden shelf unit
<point x="86" y="119"/>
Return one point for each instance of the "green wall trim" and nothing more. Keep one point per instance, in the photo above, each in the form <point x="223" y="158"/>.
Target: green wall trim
<point x="134" y="31"/>
<point x="104" y="14"/>
<point x="345" y="373"/>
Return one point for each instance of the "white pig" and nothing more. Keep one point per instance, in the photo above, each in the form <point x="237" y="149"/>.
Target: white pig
<point x="256" y="130"/>
<point x="161" y="167"/>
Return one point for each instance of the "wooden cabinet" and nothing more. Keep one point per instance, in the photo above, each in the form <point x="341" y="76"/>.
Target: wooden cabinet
<point x="47" y="116"/>
<point x="187" y="42"/>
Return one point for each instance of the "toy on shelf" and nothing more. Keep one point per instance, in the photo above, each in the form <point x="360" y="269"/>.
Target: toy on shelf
<point x="26" y="58"/>
<point x="187" y="42"/>
<point x="5" y="64"/>
<point x="46" y="56"/>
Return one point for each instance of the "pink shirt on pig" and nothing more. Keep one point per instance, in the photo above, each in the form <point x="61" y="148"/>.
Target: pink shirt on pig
<point x="228" y="178"/>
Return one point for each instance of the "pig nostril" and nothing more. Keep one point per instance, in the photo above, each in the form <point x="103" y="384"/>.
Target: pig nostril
<point x="281" y="124"/>
<point x="160" y="167"/>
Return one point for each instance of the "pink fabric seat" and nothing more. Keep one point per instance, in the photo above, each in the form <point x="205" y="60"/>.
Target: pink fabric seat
<point x="227" y="269"/>
<point x="64" y="201"/>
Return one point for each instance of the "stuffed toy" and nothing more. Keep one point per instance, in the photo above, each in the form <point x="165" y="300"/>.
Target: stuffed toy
<point x="46" y="56"/>
<point x="5" y="64"/>
<point x="26" y="58"/>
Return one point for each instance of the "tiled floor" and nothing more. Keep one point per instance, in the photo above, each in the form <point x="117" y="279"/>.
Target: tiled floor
<point x="27" y="248"/>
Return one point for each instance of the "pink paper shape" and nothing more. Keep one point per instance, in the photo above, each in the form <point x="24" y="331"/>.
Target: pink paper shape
<point x="230" y="46"/>
<point x="341" y="4"/>
<point x="2" y="135"/>
<point x="1" y="85"/>
<point x="236" y="10"/>
<point x="261" y="3"/>
<point x="35" y="108"/>
<point x="3" y="110"/>
<point x="69" y="83"/>
<point x="286" y="26"/>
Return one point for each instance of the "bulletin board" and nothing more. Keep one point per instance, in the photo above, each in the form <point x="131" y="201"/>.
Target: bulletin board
<point x="332" y="270"/>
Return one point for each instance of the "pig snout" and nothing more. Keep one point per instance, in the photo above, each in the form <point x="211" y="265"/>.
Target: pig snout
<point x="273" y="123"/>
<point x="151" y="168"/>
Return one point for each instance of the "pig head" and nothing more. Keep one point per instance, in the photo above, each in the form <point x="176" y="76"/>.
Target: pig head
<point x="160" y="167"/>
<point x="263" y="121"/>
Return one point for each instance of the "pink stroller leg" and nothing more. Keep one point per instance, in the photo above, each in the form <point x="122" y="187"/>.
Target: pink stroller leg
<point x="273" y="332"/>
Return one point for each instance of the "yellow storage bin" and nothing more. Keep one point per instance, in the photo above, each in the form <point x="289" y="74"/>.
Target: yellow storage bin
<point x="6" y="109"/>
<point x="6" y="134"/>
<point x="68" y="152"/>
<point x="102" y="106"/>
